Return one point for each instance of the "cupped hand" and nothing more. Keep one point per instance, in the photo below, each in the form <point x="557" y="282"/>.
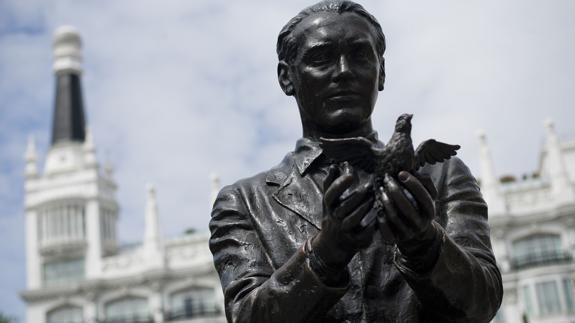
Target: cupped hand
<point x="409" y="208"/>
<point x="347" y="200"/>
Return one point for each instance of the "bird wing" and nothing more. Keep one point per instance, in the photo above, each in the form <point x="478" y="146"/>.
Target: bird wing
<point x="432" y="151"/>
<point x="356" y="150"/>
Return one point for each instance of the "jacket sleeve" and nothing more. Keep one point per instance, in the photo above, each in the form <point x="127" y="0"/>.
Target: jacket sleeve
<point x="464" y="284"/>
<point x="253" y="290"/>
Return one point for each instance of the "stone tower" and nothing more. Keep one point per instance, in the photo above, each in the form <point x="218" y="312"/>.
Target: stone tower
<point x="71" y="209"/>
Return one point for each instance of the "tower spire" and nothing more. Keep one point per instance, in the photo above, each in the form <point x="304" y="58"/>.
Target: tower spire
<point x="152" y="240"/>
<point x="30" y="158"/>
<point x="489" y="182"/>
<point x="89" y="149"/>
<point x="69" y="119"/>
<point x="560" y="185"/>
<point x="152" y="234"/>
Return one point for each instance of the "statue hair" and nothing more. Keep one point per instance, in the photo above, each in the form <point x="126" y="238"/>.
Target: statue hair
<point x="287" y="45"/>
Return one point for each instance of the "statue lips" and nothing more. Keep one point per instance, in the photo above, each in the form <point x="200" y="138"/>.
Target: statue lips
<point x="343" y="95"/>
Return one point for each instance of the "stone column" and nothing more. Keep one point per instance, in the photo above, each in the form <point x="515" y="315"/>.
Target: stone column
<point x="94" y="239"/>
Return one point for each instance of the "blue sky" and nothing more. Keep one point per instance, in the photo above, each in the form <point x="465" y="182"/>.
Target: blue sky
<point x="176" y="90"/>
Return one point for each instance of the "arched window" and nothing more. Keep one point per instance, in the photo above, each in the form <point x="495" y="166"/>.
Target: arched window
<point x="537" y="249"/>
<point x="193" y="302"/>
<point x="66" y="314"/>
<point x="128" y="310"/>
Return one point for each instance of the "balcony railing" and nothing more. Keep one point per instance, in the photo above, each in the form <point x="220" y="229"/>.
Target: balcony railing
<point x="62" y="246"/>
<point x="543" y="259"/>
<point x="128" y="319"/>
<point x="180" y="314"/>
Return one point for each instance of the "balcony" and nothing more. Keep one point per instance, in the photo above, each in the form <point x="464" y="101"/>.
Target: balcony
<point x="62" y="246"/>
<point x="542" y="259"/>
<point x="183" y="314"/>
<point x="128" y="319"/>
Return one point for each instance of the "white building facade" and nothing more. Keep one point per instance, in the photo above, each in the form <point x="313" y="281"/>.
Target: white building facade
<point x="76" y="270"/>
<point x="532" y="223"/>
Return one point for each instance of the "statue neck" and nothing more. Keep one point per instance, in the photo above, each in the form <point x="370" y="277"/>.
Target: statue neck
<point x="314" y="133"/>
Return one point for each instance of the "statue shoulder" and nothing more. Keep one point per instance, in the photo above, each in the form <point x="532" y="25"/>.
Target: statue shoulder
<point x="274" y="176"/>
<point x="445" y="172"/>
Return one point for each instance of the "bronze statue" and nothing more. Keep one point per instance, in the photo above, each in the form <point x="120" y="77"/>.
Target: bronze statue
<point x="292" y="244"/>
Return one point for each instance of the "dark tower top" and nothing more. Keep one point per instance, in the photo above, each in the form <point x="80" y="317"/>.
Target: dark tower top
<point x="69" y="122"/>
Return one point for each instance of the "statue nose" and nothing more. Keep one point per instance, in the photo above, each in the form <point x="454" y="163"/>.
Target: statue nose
<point x="342" y="69"/>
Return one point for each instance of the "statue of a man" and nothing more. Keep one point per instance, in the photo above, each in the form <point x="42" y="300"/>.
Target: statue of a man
<point x="289" y="244"/>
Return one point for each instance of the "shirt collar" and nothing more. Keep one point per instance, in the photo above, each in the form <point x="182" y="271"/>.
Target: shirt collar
<point x="308" y="150"/>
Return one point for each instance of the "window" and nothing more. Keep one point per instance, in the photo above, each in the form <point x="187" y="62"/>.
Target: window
<point x="128" y="310"/>
<point x="527" y="301"/>
<point x="537" y="249"/>
<point x="548" y="298"/>
<point x="193" y="302"/>
<point x="107" y="224"/>
<point x="61" y="223"/>
<point x="62" y="272"/>
<point x="568" y="291"/>
<point x="66" y="314"/>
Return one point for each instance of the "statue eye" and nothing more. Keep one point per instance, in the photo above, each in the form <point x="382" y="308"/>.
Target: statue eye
<point x="319" y="56"/>
<point x="361" y="52"/>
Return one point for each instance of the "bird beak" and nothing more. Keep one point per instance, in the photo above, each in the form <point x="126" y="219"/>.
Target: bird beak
<point x="409" y="116"/>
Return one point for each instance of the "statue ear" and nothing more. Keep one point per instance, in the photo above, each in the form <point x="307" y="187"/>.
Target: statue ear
<point x="284" y="78"/>
<point x="381" y="75"/>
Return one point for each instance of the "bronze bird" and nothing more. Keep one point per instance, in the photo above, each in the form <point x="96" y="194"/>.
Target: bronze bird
<point x="397" y="155"/>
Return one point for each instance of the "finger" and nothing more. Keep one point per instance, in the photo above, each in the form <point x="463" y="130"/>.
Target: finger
<point x="357" y="197"/>
<point x="332" y="174"/>
<point x="336" y="188"/>
<point x="395" y="193"/>
<point x="410" y="198"/>
<point x="346" y="168"/>
<point x="419" y="192"/>
<point x="352" y="220"/>
<point x="356" y="182"/>
<point x="369" y="219"/>
<point x="394" y="223"/>
<point x="428" y="184"/>
<point x="386" y="232"/>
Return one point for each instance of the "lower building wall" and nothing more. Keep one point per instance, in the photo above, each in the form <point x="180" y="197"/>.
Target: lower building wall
<point x="91" y="306"/>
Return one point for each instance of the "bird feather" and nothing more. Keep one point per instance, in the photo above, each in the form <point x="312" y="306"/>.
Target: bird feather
<point x="432" y="151"/>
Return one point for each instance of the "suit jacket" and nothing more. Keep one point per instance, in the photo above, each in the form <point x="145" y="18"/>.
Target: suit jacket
<point x="260" y="224"/>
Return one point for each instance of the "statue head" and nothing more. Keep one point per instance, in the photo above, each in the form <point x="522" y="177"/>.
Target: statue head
<point x="331" y="60"/>
<point x="403" y="123"/>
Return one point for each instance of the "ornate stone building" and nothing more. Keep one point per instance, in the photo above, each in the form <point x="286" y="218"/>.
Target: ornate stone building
<point x="533" y="233"/>
<point x="76" y="270"/>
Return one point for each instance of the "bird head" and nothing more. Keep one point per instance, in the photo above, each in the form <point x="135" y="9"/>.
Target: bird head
<point x="403" y="123"/>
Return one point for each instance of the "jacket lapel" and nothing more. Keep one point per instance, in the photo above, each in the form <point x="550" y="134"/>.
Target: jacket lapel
<point x="301" y="195"/>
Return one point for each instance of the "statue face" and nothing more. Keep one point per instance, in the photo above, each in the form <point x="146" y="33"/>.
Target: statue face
<point x="335" y="75"/>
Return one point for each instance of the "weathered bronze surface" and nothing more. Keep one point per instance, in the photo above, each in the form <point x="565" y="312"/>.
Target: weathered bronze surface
<point x="302" y="243"/>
